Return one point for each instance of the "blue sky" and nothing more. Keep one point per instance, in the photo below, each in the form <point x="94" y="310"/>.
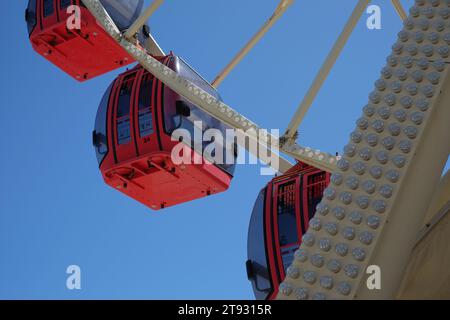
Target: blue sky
<point x="56" y="211"/>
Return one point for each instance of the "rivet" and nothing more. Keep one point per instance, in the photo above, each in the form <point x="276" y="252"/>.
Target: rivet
<point x="343" y="164"/>
<point x="330" y="193"/>
<point x="393" y="176"/>
<point x="372" y="139"/>
<point x="301" y="255"/>
<point x="366" y="153"/>
<point x="315" y="224"/>
<point x="423" y="63"/>
<point x="386" y="191"/>
<point x="395" y="129"/>
<point x="334" y="266"/>
<point x="405" y="146"/>
<point x="411" y="132"/>
<point x="418" y="75"/>
<point x="344" y="288"/>
<point x="326" y="282"/>
<point x="341" y="249"/>
<point x="380" y="84"/>
<point x="351" y="271"/>
<point x="417" y="118"/>
<point x="310" y="277"/>
<point x="396" y="86"/>
<point x="348" y="233"/>
<point x="349" y="150"/>
<point x="293" y="272"/>
<point x="406" y="102"/>
<point x="331" y="228"/>
<point x="319" y="296"/>
<point x="301" y="293"/>
<point x="369" y="110"/>
<point x="346" y="197"/>
<point x="359" y="254"/>
<point x="308" y="239"/>
<point x="322" y="209"/>
<point x="285" y="289"/>
<point x="388" y="143"/>
<point x="385" y="112"/>
<point x="325" y="244"/>
<point x="356" y="136"/>
<point x="336" y="178"/>
<point x="382" y="157"/>
<point x="369" y="186"/>
<point x="400" y="115"/>
<point x="390" y="99"/>
<point x="399" y="161"/>
<point x="376" y="172"/>
<point x="356" y="217"/>
<point x="422" y="104"/>
<point x="412" y="88"/>
<point x="363" y="202"/>
<point x="379" y="206"/>
<point x="402" y="74"/>
<point x="359" y="168"/>
<point x="366" y="237"/>
<point x="317" y="260"/>
<point x="373" y="221"/>
<point x="339" y="213"/>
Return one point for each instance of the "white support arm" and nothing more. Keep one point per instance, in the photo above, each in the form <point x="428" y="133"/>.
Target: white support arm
<point x="291" y="131"/>
<point x="280" y="10"/>
<point x="399" y="8"/>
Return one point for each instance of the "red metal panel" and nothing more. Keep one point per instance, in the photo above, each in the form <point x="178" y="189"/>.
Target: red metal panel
<point x="83" y="54"/>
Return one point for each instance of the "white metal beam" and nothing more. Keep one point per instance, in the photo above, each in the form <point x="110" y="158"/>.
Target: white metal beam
<point x="205" y="101"/>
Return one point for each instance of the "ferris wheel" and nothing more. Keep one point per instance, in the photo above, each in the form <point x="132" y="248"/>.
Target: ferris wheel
<point x="319" y="227"/>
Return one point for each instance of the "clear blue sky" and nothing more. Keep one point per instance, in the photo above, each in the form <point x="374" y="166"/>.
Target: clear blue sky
<point x="55" y="209"/>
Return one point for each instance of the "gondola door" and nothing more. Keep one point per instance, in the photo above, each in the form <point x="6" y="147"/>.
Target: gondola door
<point x="287" y="226"/>
<point x="122" y="118"/>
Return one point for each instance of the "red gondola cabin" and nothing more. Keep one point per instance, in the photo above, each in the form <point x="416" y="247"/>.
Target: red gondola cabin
<point x="86" y="52"/>
<point x="133" y="142"/>
<point x="280" y="217"/>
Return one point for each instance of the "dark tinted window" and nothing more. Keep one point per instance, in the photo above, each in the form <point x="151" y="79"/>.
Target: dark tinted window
<point x="30" y="15"/>
<point x="65" y="3"/>
<point x="100" y="134"/>
<point x="123" y="110"/>
<point x="145" y="106"/>
<point x="287" y="222"/>
<point x="256" y="250"/>
<point x="48" y="8"/>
